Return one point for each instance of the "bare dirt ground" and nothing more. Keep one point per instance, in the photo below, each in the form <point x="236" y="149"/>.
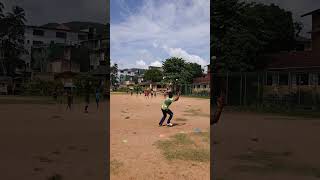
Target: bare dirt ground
<point x="40" y="141"/>
<point x="134" y="130"/>
<point x="251" y="146"/>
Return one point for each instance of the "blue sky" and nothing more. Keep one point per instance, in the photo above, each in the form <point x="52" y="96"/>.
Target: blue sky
<point x="146" y="32"/>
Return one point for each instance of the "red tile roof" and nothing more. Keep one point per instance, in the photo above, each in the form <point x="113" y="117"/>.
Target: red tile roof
<point x="205" y="79"/>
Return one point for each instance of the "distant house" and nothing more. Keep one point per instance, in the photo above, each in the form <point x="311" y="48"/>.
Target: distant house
<point x="299" y="70"/>
<point x="5" y="82"/>
<point x="155" y="86"/>
<point x="202" y="83"/>
<point x="155" y="67"/>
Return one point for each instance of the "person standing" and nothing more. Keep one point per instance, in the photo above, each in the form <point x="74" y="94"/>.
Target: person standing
<point x="69" y="100"/>
<point x="97" y="98"/>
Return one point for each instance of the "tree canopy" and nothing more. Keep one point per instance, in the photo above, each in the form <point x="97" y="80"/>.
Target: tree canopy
<point x="12" y="27"/>
<point x="177" y="70"/>
<point x="242" y="32"/>
<point x="154" y="75"/>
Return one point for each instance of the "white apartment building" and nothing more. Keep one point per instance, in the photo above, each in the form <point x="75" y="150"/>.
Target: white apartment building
<point x="43" y="36"/>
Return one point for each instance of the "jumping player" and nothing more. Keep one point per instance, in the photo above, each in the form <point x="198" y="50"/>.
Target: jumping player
<point x="165" y="109"/>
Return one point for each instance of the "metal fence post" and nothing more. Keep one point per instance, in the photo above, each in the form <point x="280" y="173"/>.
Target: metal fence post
<point x="227" y="87"/>
<point x="245" y="89"/>
<point x="240" y="89"/>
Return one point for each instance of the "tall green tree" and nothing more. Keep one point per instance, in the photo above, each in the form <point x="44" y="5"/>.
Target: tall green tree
<point x="114" y="75"/>
<point x="242" y="32"/>
<point x="154" y="75"/>
<point x="12" y="28"/>
<point x="177" y="70"/>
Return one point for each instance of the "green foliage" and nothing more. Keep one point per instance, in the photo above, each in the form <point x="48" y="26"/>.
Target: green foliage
<point x="178" y="71"/>
<point x="154" y="75"/>
<point x="86" y="83"/>
<point x="245" y="31"/>
<point x="12" y="27"/>
<point x="114" y="75"/>
<point x="42" y="88"/>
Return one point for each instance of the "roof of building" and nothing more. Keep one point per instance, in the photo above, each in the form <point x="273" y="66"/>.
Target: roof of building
<point x="293" y="60"/>
<point x="204" y="79"/>
<point x="312" y="12"/>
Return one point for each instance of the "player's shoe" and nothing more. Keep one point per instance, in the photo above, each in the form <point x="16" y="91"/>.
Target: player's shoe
<point x="169" y="124"/>
<point x="160" y="125"/>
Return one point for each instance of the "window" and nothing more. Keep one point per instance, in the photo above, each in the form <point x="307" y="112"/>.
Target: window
<point x="62" y="35"/>
<point x="37" y="32"/>
<point x="205" y="86"/>
<point x="198" y="86"/>
<point x="37" y="42"/>
<point x="28" y="41"/>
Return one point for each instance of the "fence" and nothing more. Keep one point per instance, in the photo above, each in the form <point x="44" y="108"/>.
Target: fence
<point x="281" y="90"/>
<point x="202" y="90"/>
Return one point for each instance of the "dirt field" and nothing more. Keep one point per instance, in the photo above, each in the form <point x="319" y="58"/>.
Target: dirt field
<point x="40" y="141"/>
<point x="252" y="146"/>
<point x="134" y="132"/>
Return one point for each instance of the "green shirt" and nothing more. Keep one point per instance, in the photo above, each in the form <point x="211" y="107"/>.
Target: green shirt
<point x="166" y="103"/>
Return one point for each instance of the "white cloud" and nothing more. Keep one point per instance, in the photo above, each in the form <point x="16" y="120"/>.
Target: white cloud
<point x="180" y="53"/>
<point x="183" y="24"/>
<point x="141" y="64"/>
<point x="155" y="45"/>
<point x="156" y="63"/>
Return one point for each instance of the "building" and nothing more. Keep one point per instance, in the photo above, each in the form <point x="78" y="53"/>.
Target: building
<point x="155" y="67"/>
<point x="202" y="84"/>
<point x="45" y="35"/>
<point x="130" y="74"/>
<point x="290" y="72"/>
<point x="315" y="32"/>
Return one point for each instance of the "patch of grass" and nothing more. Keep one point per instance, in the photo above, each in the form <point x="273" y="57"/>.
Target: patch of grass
<point x="311" y="114"/>
<point x="182" y="147"/>
<point x="194" y="96"/>
<point x="181" y="119"/>
<point x="204" y="135"/>
<point x="115" y="166"/>
<point x="195" y="112"/>
<point x="272" y="162"/>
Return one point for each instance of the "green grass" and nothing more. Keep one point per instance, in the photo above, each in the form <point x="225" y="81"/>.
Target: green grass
<point x="181" y="119"/>
<point x="195" y="96"/>
<point x="184" y="147"/>
<point x="115" y="166"/>
<point x="42" y="100"/>
<point x="312" y="114"/>
<point x="195" y="112"/>
<point x="263" y="162"/>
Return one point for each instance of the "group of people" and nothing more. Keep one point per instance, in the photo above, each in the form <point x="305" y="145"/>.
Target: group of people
<point x="69" y="97"/>
<point x="147" y="93"/>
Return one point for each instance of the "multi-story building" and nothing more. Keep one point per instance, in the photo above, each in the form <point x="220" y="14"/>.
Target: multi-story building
<point x="36" y="36"/>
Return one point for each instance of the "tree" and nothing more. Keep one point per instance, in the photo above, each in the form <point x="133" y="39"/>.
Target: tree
<point x="178" y="71"/>
<point x="154" y="75"/>
<point x="12" y="27"/>
<point x="114" y="75"/>
<point x="245" y="31"/>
